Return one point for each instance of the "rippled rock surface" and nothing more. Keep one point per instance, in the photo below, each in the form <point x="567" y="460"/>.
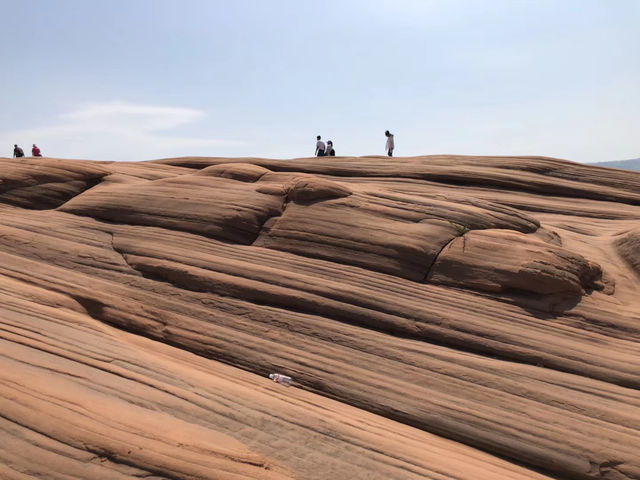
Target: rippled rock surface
<point x="442" y="317"/>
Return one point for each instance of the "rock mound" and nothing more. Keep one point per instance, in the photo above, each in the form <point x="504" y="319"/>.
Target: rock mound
<point x="628" y="246"/>
<point x="503" y="260"/>
<point x="212" y="206"/>
<point x="316" y="190"/>
<point x="46" y="183"/>
<point x="243" y="172"/>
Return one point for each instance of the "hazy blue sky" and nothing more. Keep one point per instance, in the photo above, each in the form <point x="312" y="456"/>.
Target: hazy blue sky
<point x="141" y="79"/>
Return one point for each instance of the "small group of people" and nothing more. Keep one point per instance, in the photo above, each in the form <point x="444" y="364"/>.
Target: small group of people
<point x="323" y="150"/>
<point x="18" y="152"/>
<point x="327" y="150"/>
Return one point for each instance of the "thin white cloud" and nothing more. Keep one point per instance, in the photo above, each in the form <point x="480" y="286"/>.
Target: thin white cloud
<point x="121" y="115"/>
<point x="117" y="131"/>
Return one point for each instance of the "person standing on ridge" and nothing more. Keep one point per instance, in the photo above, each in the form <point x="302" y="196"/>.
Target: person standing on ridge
<point x="17" y="151"/>
<point x="330" y="151"/>
<point x="390" y="144"/>
<point x="35" y="151"/>
<point x="320" y="147"/>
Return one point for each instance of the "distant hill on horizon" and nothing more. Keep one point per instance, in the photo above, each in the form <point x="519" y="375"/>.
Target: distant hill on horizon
<point x="633" y="164"/>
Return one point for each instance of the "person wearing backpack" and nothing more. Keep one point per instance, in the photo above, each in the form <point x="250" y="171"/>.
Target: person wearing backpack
<point x="330" y="151"/>
<point x="17" y="151"/>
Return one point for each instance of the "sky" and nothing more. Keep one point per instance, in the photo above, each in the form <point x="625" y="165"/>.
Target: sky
<point x="144" y="79"/>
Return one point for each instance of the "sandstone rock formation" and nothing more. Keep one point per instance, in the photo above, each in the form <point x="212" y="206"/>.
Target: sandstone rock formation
<point x="443" y="317"/>
<point x="502" y="260"/>
<point x="628" y="246"/>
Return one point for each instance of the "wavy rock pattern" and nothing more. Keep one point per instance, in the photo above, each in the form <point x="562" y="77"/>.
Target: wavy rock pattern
<point x="628" y="247"/>
<point x="500" y="260"/>
<point x="442" y="317"/>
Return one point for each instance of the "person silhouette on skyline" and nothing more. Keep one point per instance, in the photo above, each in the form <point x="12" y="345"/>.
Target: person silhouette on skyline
<point x="330" y="151"/>
<point x="17" y="151"/>
<point x="320" y="147"/>
<point x="390" y="143"/>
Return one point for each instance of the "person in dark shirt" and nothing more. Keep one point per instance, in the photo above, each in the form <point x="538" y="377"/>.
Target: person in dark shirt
<point x="330" y="151"/>
<point x="17" y="152"/>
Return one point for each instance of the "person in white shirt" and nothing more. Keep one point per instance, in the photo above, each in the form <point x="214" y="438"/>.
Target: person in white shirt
<point x="320" y="147"/>
<point x="390" y="144"/>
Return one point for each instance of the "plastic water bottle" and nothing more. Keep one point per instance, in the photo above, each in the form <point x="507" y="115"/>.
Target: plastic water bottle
<point x="279" y="378"/>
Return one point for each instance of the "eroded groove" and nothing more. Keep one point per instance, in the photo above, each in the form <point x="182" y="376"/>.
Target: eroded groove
<point x="44" y="196"/>
<point x="435" y="259"/>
